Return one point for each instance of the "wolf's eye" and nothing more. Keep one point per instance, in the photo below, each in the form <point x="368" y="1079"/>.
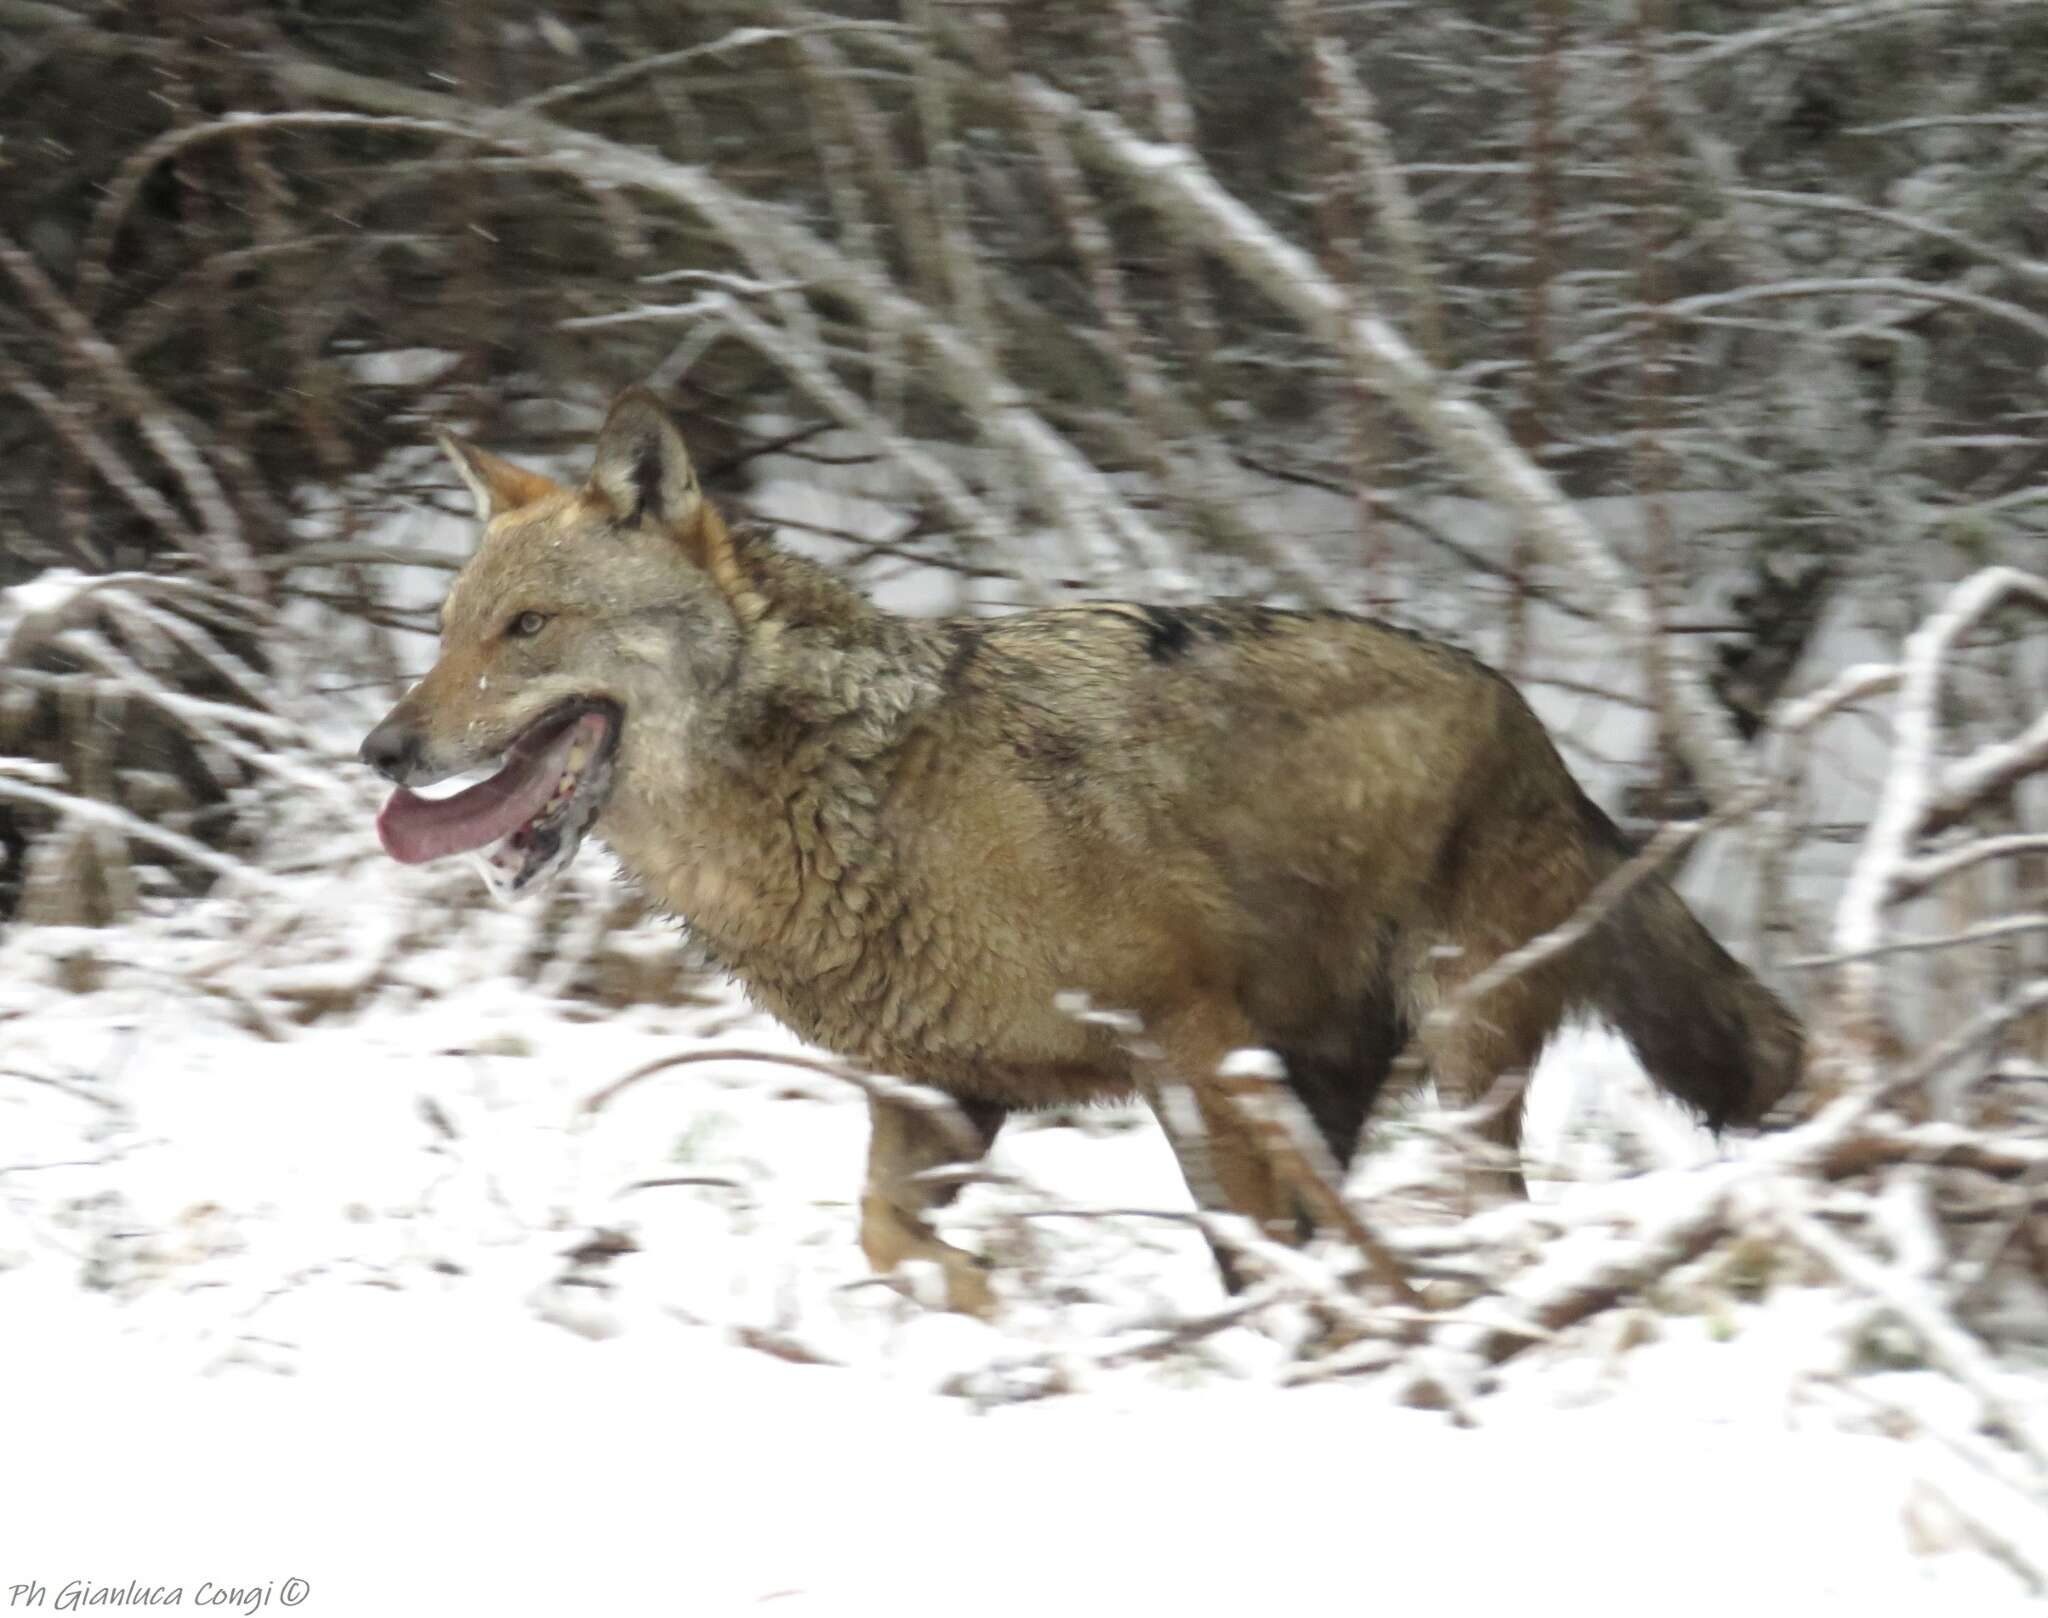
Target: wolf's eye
<point x="527" y="623"/>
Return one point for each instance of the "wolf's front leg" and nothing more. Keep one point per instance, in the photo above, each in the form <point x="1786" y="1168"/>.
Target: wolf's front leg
<point x="893" y="1227"/>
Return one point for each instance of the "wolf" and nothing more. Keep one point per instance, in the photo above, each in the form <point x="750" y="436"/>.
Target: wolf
<point x="915" y="841"/>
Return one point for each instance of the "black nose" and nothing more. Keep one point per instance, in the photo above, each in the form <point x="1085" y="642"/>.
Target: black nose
<point x="392" y="751"/>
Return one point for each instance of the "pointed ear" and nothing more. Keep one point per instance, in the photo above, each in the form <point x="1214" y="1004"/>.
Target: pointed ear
<point x="643" y="472"/>
<point x="497" y="484"/>
<point x="641" y="468"/>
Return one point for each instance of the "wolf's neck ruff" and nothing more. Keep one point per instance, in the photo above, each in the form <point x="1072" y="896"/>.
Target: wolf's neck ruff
<point x="767" y="822"/>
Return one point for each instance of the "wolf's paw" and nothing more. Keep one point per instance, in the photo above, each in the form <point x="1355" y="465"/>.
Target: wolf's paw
<point x="969" y="1289"/>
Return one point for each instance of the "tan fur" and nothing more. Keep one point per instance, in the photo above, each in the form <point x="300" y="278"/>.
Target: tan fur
<point x="909" y="839"/>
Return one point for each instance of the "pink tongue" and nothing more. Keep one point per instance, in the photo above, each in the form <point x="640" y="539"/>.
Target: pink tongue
<point x="415" y="829"/>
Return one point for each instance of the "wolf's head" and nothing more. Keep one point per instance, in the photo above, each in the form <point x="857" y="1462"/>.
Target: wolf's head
<point x="586" y="615"/>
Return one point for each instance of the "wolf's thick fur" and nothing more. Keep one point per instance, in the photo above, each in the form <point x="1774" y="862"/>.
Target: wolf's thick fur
<point x="908" y="839"/>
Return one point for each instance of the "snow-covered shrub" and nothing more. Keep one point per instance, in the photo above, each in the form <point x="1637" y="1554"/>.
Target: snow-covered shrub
<point x="131" y="719"/>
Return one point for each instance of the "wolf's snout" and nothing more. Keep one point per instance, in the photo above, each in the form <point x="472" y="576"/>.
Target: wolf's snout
<point x="393" y="751"/>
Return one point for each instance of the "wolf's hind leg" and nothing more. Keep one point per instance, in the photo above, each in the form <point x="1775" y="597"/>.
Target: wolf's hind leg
<point x="1220" y="1155"/>
<point x="1486" y="1057"/>
<point x="893" y="1229"/>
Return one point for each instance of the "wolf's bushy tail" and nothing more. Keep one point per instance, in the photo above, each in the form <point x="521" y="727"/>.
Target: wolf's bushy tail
<point x="1706" y="1030"/>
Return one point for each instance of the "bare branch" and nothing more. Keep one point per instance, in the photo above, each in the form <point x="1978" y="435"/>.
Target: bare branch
<point x="227" y="549"/>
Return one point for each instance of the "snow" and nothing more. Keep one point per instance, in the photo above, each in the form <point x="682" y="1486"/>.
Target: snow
<point x="476" y="1475"/>
<point x="401" y="367"/>
<point x="48" y="594"/>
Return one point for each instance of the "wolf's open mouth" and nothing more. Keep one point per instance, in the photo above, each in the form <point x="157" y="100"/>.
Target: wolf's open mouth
<point x="529" y="818"/>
